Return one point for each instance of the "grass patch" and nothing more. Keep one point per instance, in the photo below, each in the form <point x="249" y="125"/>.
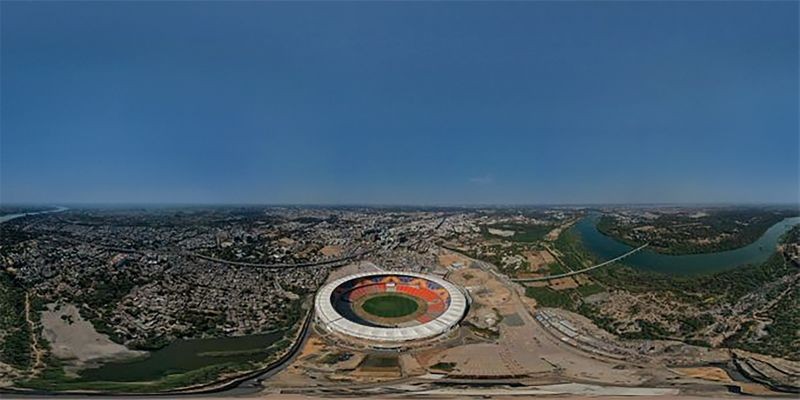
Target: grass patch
<point x="555" y="268"/>
<point x="15" y="334"/>
<point x="53" y="379"/>
<point x="547" y="297"/>
<point x="380" y="361"/>
<point x="390" y="306"/>
<point x="444" y="366"/>
<point x="590" y="289"/>
<point x="333" y="358"/>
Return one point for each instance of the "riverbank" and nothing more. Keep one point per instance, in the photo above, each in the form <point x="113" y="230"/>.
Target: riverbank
<point x="604" y="247"/>
<point x="9" y="217"/>
<point x="749" y="307"/>
<point x="216" y="378"/>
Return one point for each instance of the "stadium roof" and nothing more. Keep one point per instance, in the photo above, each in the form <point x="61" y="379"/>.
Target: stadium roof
<point x="333" y="321"/>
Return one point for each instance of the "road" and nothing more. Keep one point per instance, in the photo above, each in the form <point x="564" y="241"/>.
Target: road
<point x="581" y="271"/>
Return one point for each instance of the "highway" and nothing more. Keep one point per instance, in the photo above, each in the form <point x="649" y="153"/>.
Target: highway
<point x="581" y="271"/>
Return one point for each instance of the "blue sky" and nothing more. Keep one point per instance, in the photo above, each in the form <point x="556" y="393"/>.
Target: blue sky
<point x="399" y="103"/>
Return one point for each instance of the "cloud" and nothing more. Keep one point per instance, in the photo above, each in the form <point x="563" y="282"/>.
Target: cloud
<point x="482" y="180"/>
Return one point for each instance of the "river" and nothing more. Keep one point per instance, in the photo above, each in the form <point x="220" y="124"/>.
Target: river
<point x="186" y="355"/>
<point x="605" y="247"/>
<point x="9" y="217"/>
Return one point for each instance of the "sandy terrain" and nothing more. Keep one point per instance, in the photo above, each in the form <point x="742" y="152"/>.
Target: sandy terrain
<point x="553" y="235"/>
<point x="476" y="360"/>
<point x="331" y="251"/>
<point x="447" y="258"/>
<point x="539" y="358"/>
<point x="482" y="287"/>
<point x="706" y="373"/>
<point x="78" y="341"/>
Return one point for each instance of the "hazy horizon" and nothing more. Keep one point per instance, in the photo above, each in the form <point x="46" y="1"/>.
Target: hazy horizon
<point x="399" y="104"/>
<point x="122" y="205"/>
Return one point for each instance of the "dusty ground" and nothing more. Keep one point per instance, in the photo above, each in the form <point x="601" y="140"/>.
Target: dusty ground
<point x="446" y="258"/>
<point x="707" y="373"/>
<point x="331" y="251"/>
<point x="482" y="359"/>
<point x="563" y="283"/>
<point x="77" y="341"/>
<point x="482" y="287"/>
<point x="553" y="235"/>
<point x="521" y="347"/>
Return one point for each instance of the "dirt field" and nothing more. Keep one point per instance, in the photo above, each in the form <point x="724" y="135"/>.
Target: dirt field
<point x="475" y="360"/>
<point x="517" y="345"/>
<point x="331" y="251"/>
<point x="539" y="259"/>
<point x="482" y="287"/>
<point x="74" y="339"/>
<point x="563" y="283"/>
<point x="706" y="373"/>
<point x="447" y="258"/>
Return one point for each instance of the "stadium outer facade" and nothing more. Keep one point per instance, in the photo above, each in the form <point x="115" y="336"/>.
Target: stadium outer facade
<point x="328" y="318"/>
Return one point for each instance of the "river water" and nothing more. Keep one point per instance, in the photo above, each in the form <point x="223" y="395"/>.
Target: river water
<point x="185" y="355"/>
<point x="9" y="217"/>
<point x="604" y="248"/>
<point x="179" y="356"/>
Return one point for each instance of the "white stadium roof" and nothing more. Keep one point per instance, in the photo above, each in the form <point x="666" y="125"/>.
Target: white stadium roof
<point x="333" y="321"/>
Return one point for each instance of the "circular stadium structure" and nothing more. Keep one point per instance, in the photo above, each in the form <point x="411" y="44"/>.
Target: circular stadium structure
<point x="389" y="308"/>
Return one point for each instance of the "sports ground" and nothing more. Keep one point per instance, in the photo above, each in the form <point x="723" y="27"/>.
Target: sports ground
<point x="390" y="305"/>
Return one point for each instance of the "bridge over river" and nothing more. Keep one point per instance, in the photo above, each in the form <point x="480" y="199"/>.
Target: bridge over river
<point x="581" y="271"/>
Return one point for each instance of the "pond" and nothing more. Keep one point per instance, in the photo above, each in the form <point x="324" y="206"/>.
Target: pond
<point x="185" y="355"/>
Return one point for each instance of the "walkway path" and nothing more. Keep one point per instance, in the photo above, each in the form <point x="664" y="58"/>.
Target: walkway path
<point x="36" y="351"/>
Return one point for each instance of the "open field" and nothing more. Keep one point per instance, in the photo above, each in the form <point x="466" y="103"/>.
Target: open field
<point x="74" y="339"/>
<point x="529" y="335"/>
<point x="390" y="305"/>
